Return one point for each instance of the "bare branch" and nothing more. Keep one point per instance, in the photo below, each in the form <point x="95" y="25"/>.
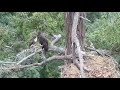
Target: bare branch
<point x="47" y="60"/>
<point x="85" y="18"/>
<point x="2" y="62"/>
<point x="28" y="56"/>
<point x="8" y="46"/>
<point x="39" y="64"/>
<point x="53" y="48"/>
<point x="57" y="37"/>
<point x="57" y="49"/>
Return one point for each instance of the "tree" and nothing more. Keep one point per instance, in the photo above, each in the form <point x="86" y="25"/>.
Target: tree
<point x="75" y="34"/>
<point x="80" y="31"/>
<point x="74" y="43"/>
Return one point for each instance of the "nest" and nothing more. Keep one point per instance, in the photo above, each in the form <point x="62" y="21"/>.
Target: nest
<point x="97" y="67"/>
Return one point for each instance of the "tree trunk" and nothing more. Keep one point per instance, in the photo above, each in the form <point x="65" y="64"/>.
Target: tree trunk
<point x="81" y="30"/>
<point x="68" y="29"/>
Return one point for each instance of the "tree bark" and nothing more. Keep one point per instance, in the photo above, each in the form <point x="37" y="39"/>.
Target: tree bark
<point x="81" y="30"/>
<point x="75" y="41"/>
<point x="68" y="28"/>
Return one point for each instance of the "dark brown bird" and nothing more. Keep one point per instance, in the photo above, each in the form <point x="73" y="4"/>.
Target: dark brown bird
<point x="43" y="41"/>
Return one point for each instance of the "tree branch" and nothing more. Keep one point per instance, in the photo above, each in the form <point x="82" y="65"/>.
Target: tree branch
<point x="51" y="47"/>
<point x="57" y="49"/>
<point x="19" y="62"/>
<point x="2" y="62"/>
<point x="18" y="65"/>
<point x="39" y="64"/>
<point x="57" y="37"/>
<point x="85" y="18"/>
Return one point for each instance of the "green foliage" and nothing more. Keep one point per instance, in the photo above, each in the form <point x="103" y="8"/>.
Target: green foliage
<point x="30" y="73"/>
<point x="93" y="15"/>
<point x="4" y="17"/>
<point x="8" y="74"/>
<point x="51" y="70"/>
<point x="16" y="30"/>
<point x="46" y="22"/>
<point x="105" y="32"/>
<point x="7" y="37"/>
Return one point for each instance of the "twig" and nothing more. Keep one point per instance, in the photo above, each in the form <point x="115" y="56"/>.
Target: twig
<point x="85" y="18"/>
<point x="8" y="46"/>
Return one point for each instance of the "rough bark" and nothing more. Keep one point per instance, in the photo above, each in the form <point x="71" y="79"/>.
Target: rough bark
<point x="68" y="29"/>
<point x="75" y="41"/>
<point x="81" y="30"/>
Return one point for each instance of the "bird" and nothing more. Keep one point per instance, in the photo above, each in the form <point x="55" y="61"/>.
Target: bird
<point x="43" y="41"/>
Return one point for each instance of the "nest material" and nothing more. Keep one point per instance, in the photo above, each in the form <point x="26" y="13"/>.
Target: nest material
<point x="70" y="71"/>
<point x="98" y="66"/>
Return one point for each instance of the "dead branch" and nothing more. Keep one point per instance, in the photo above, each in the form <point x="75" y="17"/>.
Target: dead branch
<point x="19" y="62"/>
<point x="85" y="18"/>
<point x="93" y="49"/>
<point x="98" y="51"/>
<point x="39" y="64"/>
<point x="76" y="41"/>
<point x="8" y="46"/>
<point x="57" y="49"/>
<point x="57" y="37"/>
<point x="2" y="62"/>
